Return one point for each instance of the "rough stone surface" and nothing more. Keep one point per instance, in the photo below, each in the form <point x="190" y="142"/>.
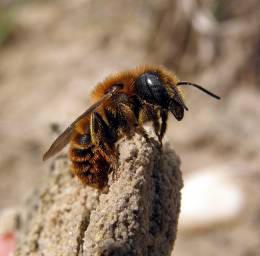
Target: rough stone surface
<point x="137" y="215"/>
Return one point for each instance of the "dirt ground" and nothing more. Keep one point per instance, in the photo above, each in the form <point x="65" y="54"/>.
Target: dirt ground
<point x="58" y="50"/>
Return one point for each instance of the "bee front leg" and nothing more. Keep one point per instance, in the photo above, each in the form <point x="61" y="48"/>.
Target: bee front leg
<point x="150" y="113"/>
<point x="164" y="118"/>
<point x="156" y="123"/>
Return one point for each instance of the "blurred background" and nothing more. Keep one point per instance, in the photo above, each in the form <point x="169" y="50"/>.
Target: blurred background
<point x="52" y="53"/>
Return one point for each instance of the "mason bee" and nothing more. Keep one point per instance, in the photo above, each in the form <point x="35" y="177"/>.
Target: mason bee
<point x="124" y="101"/>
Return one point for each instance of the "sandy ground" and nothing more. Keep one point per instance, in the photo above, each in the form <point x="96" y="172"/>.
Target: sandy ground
<point x="63" y="48"/>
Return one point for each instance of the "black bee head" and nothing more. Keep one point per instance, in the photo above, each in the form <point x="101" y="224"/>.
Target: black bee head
<point x="149" y="87"/>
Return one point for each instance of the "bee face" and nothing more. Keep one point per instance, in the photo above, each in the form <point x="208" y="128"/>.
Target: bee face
<point x="149" y="87"/>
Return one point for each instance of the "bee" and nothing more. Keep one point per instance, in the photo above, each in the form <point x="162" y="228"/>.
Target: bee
<point x="124" y="101"/>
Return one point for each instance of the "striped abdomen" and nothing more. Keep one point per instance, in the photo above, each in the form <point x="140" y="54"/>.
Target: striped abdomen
<point x="88" y="163"/>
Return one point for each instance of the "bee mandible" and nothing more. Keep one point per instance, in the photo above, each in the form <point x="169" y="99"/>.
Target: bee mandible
<point x="124" y="102"/>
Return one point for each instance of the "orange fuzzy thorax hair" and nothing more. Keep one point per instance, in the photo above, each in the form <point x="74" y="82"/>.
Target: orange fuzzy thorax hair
<point x="127" y="78"/>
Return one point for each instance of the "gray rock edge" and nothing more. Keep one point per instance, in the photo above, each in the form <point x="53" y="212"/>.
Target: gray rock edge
<point x="137" y="215"/>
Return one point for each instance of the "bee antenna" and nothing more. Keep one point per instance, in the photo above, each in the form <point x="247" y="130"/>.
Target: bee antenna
<point x="200" y="88"/>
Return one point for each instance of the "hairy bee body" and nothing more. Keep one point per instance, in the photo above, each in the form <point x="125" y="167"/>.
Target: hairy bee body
<point x="123" y="103"/>
<point x="92" y="148"/>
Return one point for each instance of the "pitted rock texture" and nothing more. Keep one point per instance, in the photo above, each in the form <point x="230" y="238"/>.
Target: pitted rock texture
<point x="137" y="215"/>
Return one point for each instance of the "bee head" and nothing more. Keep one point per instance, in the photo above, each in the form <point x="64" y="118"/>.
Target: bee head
<point x="150" y="87"/>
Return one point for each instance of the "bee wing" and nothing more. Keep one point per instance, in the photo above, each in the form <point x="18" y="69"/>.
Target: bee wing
<point x="65" y="137"/>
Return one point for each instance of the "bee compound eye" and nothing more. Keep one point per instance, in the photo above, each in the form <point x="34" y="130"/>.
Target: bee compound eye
<point x="150" y="88"/>
<point x="145" y="83"/>
<point x="152" y="79"/>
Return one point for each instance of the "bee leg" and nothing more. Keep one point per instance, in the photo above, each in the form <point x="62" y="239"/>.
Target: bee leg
<point x="102" y="137"/>
<point x="164" y="118"/>
<point x="140" y="130"/>
<point x="156" y="123"/>
<point x="129" y="116"/>
<point x="151" y="113"/>
<point x="142" y="118"/>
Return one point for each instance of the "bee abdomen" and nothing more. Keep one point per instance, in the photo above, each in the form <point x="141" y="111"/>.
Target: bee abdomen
<point x="89" y="165"/>
<point x="81" y="167"/>
<point x="80" y="155"/>
<point x="92" y="173"/>
<point x="86" y="173"/>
